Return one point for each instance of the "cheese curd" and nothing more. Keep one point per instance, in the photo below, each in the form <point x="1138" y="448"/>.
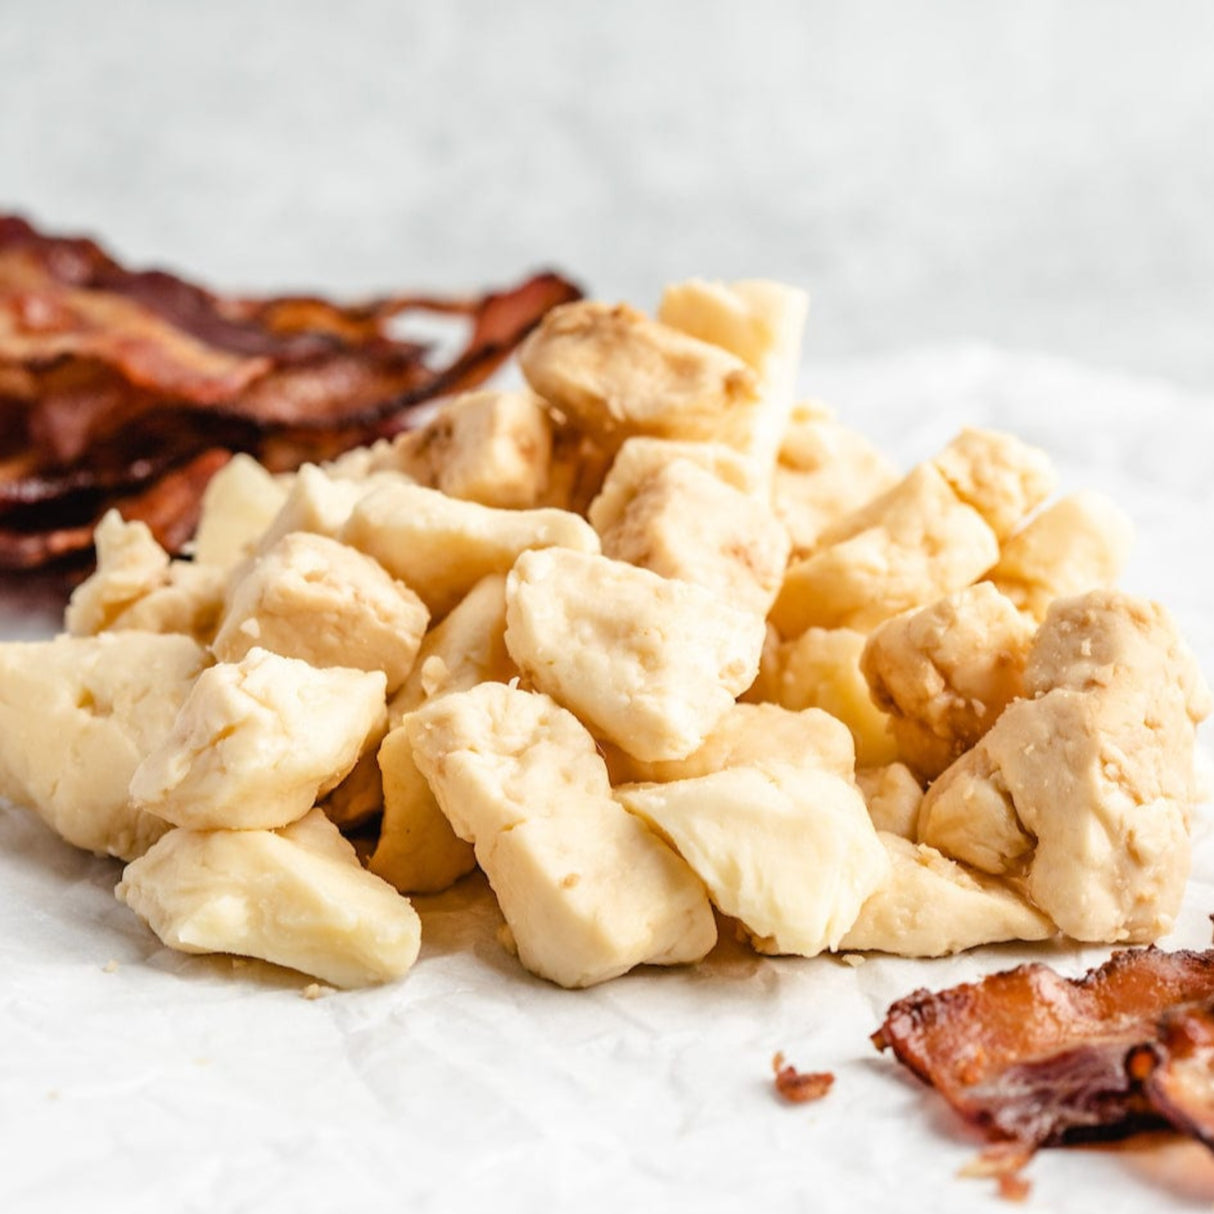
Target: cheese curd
<point x="256" y="742"/>
<point x="77" y="717"/>
<point x="137" y="587"/>
<point x="575" y="472"/>
<point x="238" y="504"/>
<point x="893" y="795"/>
<point x="613" y="372"/>
<point x="639" y="459"/>
<point x="930" y="906"/>
<point x="1085" y="791"/>
<point x="441" y="547"/>
<point x="489" y="447"/>
<point x="761" y="322"/>
<point x="683" y="522"/>
<point x="1079" y="543"/>
<point x="586" y="890"/>
<point x="787" y="850"/>
<point x="360" y="795"/>
<point x="1002" y="478"/>
<point x="311" y="598"/>
<point x="913" y="544"/>
<point x="821" y="669"/>
<point x="297" y="897"/>
<point x="647" y="662"/>
<point x="465" y="648"/>
<point x="418" y="852"/>
<point x="320" y="502"/>
<point x="945" y="673"/>
<point x="753" y="735"/>
<point x="934" y="532"/>
<point x="825" y="472"/>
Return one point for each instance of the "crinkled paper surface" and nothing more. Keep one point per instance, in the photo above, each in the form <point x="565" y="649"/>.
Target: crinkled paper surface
<point x="136" y="1079"/>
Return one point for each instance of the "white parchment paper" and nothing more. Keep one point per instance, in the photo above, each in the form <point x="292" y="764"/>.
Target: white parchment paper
<point x="137" y="1079"/>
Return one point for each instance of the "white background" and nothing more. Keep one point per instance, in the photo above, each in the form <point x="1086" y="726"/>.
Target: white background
<point x="1039" y="175"/>
<point x="1004" y="215"/>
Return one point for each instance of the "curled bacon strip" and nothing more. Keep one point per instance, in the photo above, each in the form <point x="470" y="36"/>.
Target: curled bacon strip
<point x="1032" y="1057"/>
<point x="112" y="380"/>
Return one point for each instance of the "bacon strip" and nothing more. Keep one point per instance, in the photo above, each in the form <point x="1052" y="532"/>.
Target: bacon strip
<point x="1035" y="1058"/>
<point x="112" y="379"/>
<point x="42" y="322"/>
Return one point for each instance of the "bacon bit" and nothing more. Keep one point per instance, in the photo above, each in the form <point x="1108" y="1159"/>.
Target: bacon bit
<point x="1029" y="1056"/>
<point x="1003" y="1163"/>
<point x="112" y="380"/>
<point x="1014" y="1188"/>
<point x="999" y="1159"/>
<point x="800" y="1087"/>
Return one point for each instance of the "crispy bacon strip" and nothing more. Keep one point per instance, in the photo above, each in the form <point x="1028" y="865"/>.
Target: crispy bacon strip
<point x="1033" y="1057"/>
<point x="42" y="322"/>
<point x="70" y="259"/>
<point x="111" y="379"/>
<point x="118" y="463"/>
